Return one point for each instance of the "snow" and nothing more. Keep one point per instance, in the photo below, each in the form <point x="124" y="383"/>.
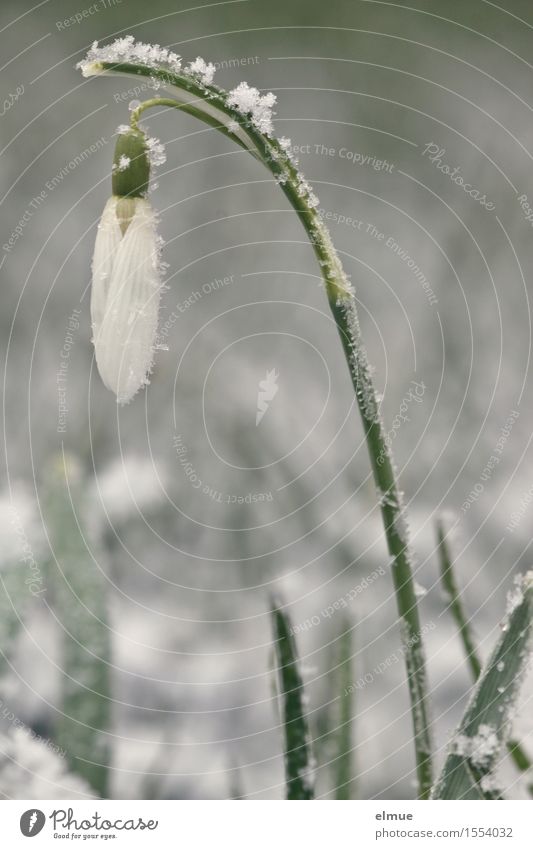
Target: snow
<point x="204" y="70"/>
<point x="156" y="151"/>
<point x="481" y="749"/>
<point x="420" y="591"/>
<point x="490" y="784"/>
<point x="250" y="102"/>
<point x="127" y="50"/>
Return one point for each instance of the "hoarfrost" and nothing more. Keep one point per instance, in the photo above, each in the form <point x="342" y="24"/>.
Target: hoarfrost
<point x="250" y="102"/>
<point x="202" y="69"/>
<point x="420" y="591"/>
<point x="156" y="152"/>
<point x="480" y="749"/>
<point x="490" y="784"/>
<point x="128" y="51"/>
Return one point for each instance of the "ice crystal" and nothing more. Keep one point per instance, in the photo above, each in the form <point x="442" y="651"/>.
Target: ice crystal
<point x="128" y="51"/>
<point x="202" y="69"/>
<point x="123" y="162"/>
<point x="489" y="784"/>
<point x="420" y="591"/>
<point x="480" y="749"/>
<point x="259" y="107"/>
<point x="156" y="152"/>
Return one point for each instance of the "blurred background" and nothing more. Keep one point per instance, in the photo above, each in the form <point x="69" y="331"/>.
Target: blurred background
<point x="140" y="543"/>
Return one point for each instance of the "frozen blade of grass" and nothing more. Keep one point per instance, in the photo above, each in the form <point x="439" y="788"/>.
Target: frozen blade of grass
<point x="452" y="592"/>
<point x="482" y="733"/>
<point x="298" y="757"/>
<point x="78" y="589"/>
<point x="345" y="783"/>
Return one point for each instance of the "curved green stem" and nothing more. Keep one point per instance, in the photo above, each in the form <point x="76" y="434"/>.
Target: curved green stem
<point x="210" y="104"/>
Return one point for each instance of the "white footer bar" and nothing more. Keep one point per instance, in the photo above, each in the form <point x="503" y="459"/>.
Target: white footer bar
<point x="267" y="824"/>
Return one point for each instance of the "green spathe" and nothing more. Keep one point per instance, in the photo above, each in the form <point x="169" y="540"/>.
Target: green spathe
<point x="131" y="165"/>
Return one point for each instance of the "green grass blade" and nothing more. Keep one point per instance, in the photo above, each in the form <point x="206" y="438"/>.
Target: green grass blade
<point x="453" y="597"/>
<point x="298" y="757"/>
<point x="451" y="589"/>
<point x="344" y="781"/>
<point x="468" y="771"/>
<point x="78" y="590"/>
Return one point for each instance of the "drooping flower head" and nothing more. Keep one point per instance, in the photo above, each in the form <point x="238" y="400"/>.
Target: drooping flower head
<point x="126" y="280"/>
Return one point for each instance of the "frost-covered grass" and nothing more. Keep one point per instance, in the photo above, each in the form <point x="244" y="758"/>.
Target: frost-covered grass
<point x="299" y="761"/>
<point x="470" y="770"/>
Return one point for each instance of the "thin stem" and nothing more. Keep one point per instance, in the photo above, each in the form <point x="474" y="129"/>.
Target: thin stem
<point x="345" y="783"/>
<point x="451" y="589"/>
<point x="209" y="104"/>
<point x="297" y="745"/>
<point x="189" y="109"/>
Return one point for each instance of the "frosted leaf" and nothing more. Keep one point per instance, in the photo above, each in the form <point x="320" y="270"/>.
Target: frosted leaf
<point x="516" y="594"/>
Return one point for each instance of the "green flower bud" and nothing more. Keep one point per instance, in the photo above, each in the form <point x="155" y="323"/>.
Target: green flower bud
<point x="131" y="165"/>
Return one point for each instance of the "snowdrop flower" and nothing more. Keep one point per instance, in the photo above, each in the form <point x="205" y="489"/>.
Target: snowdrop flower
<point x="126" y="282"/>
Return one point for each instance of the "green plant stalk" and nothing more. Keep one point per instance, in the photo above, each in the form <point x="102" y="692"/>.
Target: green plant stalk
<point x="467" y="772"/>
<point x="451" y="590"/>
<point x="298" y="758"/>
<point x="345" y="783"/>
<point x="453" y="596"/>
<point x="201" y="101"/>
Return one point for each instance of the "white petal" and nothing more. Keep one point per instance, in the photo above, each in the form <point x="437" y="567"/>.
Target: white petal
<point x="106" y="245"/>
<point x="124" y="345"/>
